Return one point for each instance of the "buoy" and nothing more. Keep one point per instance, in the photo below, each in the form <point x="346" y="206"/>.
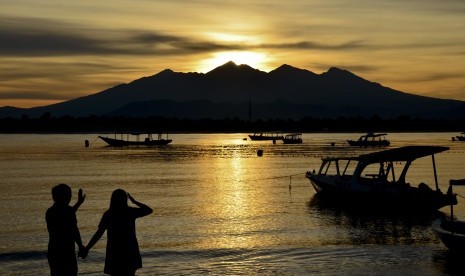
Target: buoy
<point x="260" y="152"/>
<point x="332" y="144"/>
<point x="86" y="142"/>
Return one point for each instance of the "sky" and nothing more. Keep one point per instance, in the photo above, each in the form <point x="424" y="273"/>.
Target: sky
<point x="53" y="51"/>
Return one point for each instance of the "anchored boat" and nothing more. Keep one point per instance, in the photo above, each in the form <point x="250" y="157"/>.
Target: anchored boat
<point x="449" y="230"/>
<point x="266" y="136"/>
<point x="371" y="140"/>
<point x="374" y="179"/>
<point x="293" y="138"/>
<point x="460" y="137"/>
<point x="134" y="139"/>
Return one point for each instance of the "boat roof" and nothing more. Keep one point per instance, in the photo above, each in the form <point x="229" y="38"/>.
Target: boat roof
<point x="407" y="153"/>
<point x="371" y="134"/>
<point x="457" y="182"/>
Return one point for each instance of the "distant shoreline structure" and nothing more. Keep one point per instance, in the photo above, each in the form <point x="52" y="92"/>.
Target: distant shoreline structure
<point x="101" y="125"/>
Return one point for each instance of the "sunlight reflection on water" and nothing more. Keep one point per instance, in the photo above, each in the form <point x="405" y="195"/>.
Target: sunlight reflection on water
<point x="219" y="208"/>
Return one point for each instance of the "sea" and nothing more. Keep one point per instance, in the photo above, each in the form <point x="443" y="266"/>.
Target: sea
<point x="220" y="208"/>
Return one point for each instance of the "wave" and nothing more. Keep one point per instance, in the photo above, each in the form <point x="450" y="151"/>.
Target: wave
<point x="23" y="255"/>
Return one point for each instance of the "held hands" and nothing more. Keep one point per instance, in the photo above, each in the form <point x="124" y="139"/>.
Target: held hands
<point x="83" y="252"/>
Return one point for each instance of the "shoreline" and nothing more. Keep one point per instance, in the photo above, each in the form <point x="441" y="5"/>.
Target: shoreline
<point x="70" y="125"/>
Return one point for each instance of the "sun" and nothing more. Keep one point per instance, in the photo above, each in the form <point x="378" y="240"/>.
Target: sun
<point x="256" y="60"/>
<point x="251" y="56"/>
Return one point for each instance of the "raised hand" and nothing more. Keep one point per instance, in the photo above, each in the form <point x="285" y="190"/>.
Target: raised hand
<point x="81" y="196"/>
<point x="146" y="209"/>
<point x="131" y="199"/>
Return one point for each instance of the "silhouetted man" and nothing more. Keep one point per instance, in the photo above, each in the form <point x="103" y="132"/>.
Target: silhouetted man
<point x="63" y="232"/>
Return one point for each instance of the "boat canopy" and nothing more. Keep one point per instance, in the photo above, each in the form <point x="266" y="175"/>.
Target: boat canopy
<point x="407" y="153"/>
<point x="371" y="134"/>
<point x="293" y="134"/>
<point x="457" y="182"/>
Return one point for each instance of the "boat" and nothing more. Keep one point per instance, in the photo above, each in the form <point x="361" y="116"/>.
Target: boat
<point x="147" y="141"/>
<point x="266" y="136"/>
<point x="370" y="180"/>
<point x="460" y="137"/>
<point x="449" y="230"/>
<point x="371" y="140"/>
<point x="293" y="138"/>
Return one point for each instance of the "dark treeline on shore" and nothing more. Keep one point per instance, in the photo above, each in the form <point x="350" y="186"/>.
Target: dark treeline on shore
<point x="102" y="124"/>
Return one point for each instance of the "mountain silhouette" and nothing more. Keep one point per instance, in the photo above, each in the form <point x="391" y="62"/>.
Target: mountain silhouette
<point x="285" y="92"/>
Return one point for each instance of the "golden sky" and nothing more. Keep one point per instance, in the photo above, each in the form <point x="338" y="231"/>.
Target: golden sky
<point x="54" y="50"/>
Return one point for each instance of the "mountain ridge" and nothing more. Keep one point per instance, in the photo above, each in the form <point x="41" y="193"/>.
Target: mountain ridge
<point x="332" y="92"/>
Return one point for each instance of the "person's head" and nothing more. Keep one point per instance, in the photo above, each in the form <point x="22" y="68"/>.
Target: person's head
<point x="119" y="200"/>
<point x="61" y="194"/>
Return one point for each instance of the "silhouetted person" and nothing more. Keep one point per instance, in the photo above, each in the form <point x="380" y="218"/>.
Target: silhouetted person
<point x="122" y="254"/>
<point x="63" y="232"/>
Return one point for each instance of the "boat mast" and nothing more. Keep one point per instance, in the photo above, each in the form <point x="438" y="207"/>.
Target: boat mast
<point x="435" y="174"/>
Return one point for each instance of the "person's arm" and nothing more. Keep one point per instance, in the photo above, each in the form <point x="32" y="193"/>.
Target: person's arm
<point x="145" y="210"/>
<point x="77" y="237"/>
<point x="81" y="198"/>
<point x="92" y="242"/>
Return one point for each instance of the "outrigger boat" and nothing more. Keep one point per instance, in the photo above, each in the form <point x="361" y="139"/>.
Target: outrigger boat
<point x="450" y="231"/>
<point x="370" y="140"/>
<point x="293" y="138"/>
<point x="147" y="141"/>
<point x="266" y="136"/>
<point x="460" y="137"/>
<point x="370" y="180"/>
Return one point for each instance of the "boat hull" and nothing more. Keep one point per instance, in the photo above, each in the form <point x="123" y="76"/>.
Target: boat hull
<point x="452" y="234"/>
<point x="383" y="143"/>
<point x="121" y="143"/>
<point x="407" y="197"/>
<point x="264" y="138"/>
<point x="292" y="141"/>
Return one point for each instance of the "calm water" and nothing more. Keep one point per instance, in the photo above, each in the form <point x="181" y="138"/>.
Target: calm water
<point x="218" y="207"/>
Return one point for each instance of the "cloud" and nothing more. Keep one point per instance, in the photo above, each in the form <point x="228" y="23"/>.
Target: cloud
<point x="356" y="68"/>
<point x="41" y="37"/>
<point x="27" y="69"/>
<point x="35" y="37"/>
<point x="33" y="95"/>
<point x="307" y="45"/>
<point x="26" y="37"/>
<point x="438" y="77"/>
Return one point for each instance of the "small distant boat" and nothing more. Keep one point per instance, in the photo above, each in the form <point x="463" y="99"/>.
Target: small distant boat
<point x="147" y="141"/>
<point x="293" y="138"/>
<point x="266" y="136"/>
<point x="460" y="137"/>
<point x="371" y="140"/>
<point x="373" y="180"/>
<point x="450" y="231"/>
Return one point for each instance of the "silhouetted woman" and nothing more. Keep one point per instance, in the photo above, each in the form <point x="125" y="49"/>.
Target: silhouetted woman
<point x="122" y="254"/>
